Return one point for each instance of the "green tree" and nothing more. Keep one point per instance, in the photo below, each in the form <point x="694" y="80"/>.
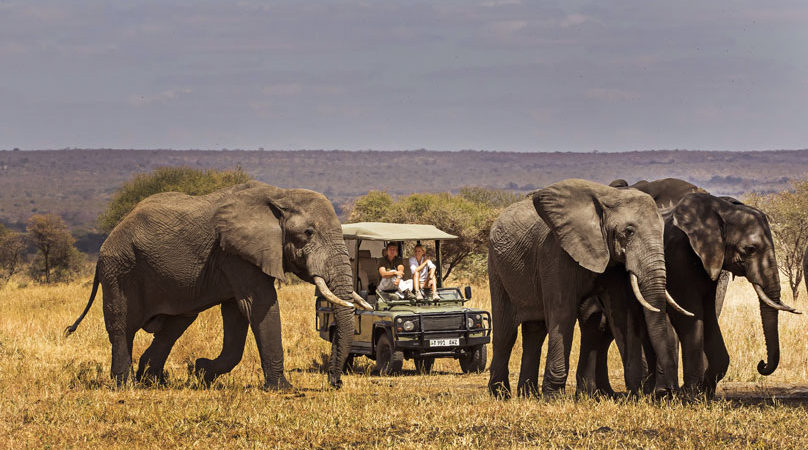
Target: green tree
<point x="56" y="258"/>
<point x="166" y="179"/>
<point x="788" y="217"/>
<point x="12" y="252"/>
<point x="468" y="216"/>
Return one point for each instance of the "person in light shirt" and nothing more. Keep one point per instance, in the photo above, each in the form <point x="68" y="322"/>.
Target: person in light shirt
<point x="423" y="274"/>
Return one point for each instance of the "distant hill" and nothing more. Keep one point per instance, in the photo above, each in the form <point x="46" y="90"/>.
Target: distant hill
<point x="77" y="184"/>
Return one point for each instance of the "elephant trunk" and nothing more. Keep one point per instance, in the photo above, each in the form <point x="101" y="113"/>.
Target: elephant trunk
<point x="650" y="279"/>
<point x="338" y="277"/>
<point x="769" y="320"/>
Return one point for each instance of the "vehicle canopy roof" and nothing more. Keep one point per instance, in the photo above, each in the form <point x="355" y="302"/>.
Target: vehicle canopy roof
<point x="381" y="231"/>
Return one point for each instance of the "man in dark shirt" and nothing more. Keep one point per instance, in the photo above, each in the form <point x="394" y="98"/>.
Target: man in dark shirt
<point x="391" y="270"/>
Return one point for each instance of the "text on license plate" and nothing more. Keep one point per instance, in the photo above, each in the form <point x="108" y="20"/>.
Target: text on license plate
<point x="444" y="342"/>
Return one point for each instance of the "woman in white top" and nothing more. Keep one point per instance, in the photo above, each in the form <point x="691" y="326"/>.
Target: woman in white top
<point x="423" y="274"/>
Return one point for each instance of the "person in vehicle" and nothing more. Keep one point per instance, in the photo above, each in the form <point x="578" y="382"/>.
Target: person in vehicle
<point x="391" y="270"/>
<point x="423" y="274"/>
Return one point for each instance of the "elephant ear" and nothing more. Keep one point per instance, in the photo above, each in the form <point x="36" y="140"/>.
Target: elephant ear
<point x="249" y="225"/>
<point x="698" y="215"/>
<point x="572" y="210"/>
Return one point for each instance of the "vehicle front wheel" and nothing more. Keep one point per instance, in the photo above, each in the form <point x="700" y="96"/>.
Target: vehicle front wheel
<point x="424" y="365"/>
<point x="388" y="362"/>
<point x="474" y="360"/>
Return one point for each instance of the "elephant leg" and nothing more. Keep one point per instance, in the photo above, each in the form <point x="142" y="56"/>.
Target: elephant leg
<point x="716" y="354"/>
<point x="604" y="386"/>
<point x="150" y="367"/>
<point x="692" y="339"/>
<point x="533" y="334"/>
<point x="235" y="326"/>
<point x="589" y="376"/>
<point x="504" y="328"/>
<point x="121" y="334"/>
<point x="561" y="326"/>
<point x="265" y="321"/>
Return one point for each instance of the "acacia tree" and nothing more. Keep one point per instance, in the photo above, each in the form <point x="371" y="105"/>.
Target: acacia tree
<point x="12" y="251"/>
<point x="56" y="259"/>
<point x="468" y="216"/>
<point x="788" y="217"/>
<point x="166" y="179"/>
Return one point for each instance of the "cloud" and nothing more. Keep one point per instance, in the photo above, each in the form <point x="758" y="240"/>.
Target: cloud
<point x="611" y="95"/>
<point x="166" y="96"/>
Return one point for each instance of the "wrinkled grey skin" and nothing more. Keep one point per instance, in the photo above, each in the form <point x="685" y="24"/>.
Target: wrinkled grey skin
<point x="175" y="255"/>
<point x="706" y="239"/>
<point x="545" y="257"/>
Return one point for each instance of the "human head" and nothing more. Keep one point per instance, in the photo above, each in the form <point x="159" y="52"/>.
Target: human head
<point x="392" y="250"/>
<point x="419" y="251"/>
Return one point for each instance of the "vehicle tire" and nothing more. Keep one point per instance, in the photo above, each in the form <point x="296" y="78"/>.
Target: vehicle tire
<point x="388" y="362"/>
<point x="424" y="365"/>
<point x="474" y="360"/>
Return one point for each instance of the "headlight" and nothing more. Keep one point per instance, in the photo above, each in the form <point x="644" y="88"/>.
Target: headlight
<point x="470" y="322"/>
<point x="409" y="325"/>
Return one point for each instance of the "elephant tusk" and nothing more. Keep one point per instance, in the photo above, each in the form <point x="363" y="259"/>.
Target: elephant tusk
<point x="676" y="306"/>
<point x="778" y="306"/>
<point x="358" y="300"/>
<point x="636" y="288"/>
<point x="320" y="283"/>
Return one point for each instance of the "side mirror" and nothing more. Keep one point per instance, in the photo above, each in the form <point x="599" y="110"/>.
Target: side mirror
<point x="467" y="292"/>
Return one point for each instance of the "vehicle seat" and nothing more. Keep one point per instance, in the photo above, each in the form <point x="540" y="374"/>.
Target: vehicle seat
<point x="368" y="272"/>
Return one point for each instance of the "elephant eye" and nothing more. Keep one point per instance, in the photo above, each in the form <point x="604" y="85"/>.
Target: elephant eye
<point x="629" y="232"/>
<point x="750" y="249"/>
<point x="309" y="232"/>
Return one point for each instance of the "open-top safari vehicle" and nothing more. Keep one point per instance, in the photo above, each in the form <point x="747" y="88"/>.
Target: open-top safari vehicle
<point x="407" y="328"/>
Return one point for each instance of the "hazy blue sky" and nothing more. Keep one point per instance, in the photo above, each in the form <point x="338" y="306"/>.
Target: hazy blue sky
<point x="489" y="75"/>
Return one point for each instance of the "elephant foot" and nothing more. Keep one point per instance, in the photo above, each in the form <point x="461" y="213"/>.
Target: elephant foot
<point x="151" y="378"/>
<point x="204" y="371"/>
<point x="121" y="379"/>
<point x="500" y="390"/>
<point x="529" y="389"/>
<point x="335" y="382"/>
<point x="597" y="393"/>
<point x="280" y="385"/>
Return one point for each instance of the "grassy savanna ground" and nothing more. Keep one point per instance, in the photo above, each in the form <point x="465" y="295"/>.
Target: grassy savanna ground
<point x="56" y="391"/>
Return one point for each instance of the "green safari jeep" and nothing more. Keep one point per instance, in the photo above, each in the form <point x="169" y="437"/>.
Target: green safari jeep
<point x="405" y="328"/>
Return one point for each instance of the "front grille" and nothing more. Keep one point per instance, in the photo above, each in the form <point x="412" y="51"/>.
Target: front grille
<point x="437" y="323"/>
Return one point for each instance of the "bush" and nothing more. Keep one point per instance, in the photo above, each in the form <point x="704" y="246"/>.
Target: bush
<point x="788" y="217"/>
<point x="166" y="179"/>
<point x="12" y="252"/>
<point x="56" y="258"/>
<point x="468" y="216"/>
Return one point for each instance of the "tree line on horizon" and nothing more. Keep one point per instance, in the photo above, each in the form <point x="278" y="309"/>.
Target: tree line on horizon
<point x="45" y="251"/>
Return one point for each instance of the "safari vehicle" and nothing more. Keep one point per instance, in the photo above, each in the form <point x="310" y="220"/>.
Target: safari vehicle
<point x="405" y="328"/>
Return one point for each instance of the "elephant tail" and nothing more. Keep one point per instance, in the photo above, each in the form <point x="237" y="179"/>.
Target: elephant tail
<point x="69" y="330"/>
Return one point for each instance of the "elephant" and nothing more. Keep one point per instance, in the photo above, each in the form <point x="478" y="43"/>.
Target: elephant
<point x="546" y="254"/>
<point x="175" y="255"/>
<point x="706" y="239"/>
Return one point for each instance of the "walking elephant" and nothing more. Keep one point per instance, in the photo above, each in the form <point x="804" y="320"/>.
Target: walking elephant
<point x="706" y="236"/>
<point x="175" y="255"/>
<point x="545" y="257"/>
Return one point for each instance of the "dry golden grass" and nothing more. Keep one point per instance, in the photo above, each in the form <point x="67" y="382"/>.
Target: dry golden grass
<point x="56" y="392"/>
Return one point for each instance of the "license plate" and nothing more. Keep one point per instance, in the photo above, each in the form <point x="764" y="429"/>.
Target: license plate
<point x="444" y="342"/>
